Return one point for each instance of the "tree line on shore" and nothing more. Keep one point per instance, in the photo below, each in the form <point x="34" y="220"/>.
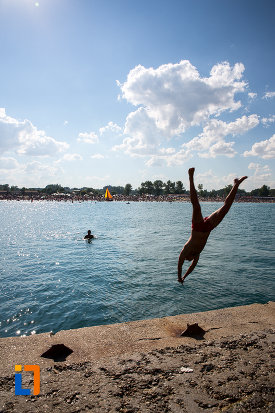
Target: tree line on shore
<point x="156" y="188"/>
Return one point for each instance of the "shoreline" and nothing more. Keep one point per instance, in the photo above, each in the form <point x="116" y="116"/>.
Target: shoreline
<point x="171" y="199"/>
<point x="137" y="366"/>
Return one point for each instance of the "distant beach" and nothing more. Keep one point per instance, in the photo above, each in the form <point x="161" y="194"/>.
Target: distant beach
<point x="33" y="196"/>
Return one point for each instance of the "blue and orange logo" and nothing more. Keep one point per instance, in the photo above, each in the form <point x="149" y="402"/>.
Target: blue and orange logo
<point x="18" y="380"/>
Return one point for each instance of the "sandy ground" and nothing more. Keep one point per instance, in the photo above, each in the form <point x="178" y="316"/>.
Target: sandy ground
<point x="146" y="366"/>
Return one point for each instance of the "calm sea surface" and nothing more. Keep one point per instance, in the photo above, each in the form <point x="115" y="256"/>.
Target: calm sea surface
<point x="51" y="279"/>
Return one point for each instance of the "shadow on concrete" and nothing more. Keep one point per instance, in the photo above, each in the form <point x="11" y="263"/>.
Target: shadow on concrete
<point x="57" y="352"/>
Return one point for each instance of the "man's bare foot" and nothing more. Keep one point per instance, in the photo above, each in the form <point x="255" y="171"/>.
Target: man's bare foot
<point x="239" y="181"/>
<point x="191" y="172"/>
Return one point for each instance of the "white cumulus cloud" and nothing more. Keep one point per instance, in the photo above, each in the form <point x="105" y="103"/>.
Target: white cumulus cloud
<point x="86" y="137"/>
<point x="172" y="98"/>
<point x="25" y="139"/>
<point x="110" y="127"/>
<point x="143" y="135"/>
<point x="259" y="168"/>
<point x="252" y="95"/>
<point x="31" y="174"/>
<point x="220" y="148"/>
<point x="211" y="143"/>
<point x="176" y="96"/>
<point x="71" y="157"/>
<point x="263" y="149"/>
<point x="269" y="95"/>
<point x="97" y="156"/>
<point x="39" y="169"/>
<point x="217" y="182"/>
<point x="268" y="121"/>
<point x="262" y="175"/>
<point x="174" y="159"/>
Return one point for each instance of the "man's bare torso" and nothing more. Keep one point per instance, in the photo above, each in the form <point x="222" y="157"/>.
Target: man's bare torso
<point x="195" y="244"/>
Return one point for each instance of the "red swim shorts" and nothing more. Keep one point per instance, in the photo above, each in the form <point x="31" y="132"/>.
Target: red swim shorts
<point x="203" y="226"/>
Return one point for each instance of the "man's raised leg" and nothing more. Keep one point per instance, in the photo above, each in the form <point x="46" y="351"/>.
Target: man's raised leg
<point x="197" y="215"/>
<point x="218" y="215"/>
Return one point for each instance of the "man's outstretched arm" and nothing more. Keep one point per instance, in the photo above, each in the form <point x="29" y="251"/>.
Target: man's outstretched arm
<point x="192" y="266"/>
<point x="180" y="264"/>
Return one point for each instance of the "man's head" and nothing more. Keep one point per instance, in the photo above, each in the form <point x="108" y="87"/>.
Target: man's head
<point x="89" y="232"/>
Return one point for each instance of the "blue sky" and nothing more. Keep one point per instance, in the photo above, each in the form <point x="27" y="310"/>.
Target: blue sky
<point x="109" y="92"/>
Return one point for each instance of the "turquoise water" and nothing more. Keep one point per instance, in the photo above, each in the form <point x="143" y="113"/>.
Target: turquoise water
<point x="51" y="279"/>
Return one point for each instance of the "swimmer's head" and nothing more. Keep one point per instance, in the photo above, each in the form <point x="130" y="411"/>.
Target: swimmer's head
<point x="89" y="232"/>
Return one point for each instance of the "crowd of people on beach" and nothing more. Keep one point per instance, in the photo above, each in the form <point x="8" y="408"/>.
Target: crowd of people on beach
<point x="62" y="197"/>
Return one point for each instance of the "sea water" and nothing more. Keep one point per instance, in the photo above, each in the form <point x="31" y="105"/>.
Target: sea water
<point x="52" y="279"/>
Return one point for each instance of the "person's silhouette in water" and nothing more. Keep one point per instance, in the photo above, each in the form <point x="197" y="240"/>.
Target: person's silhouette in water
<point x="89" y="235"/>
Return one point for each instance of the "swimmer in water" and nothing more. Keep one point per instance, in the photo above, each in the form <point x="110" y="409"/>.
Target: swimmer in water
<point x="89" y="235"/>
<point x="201" y="227"/>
